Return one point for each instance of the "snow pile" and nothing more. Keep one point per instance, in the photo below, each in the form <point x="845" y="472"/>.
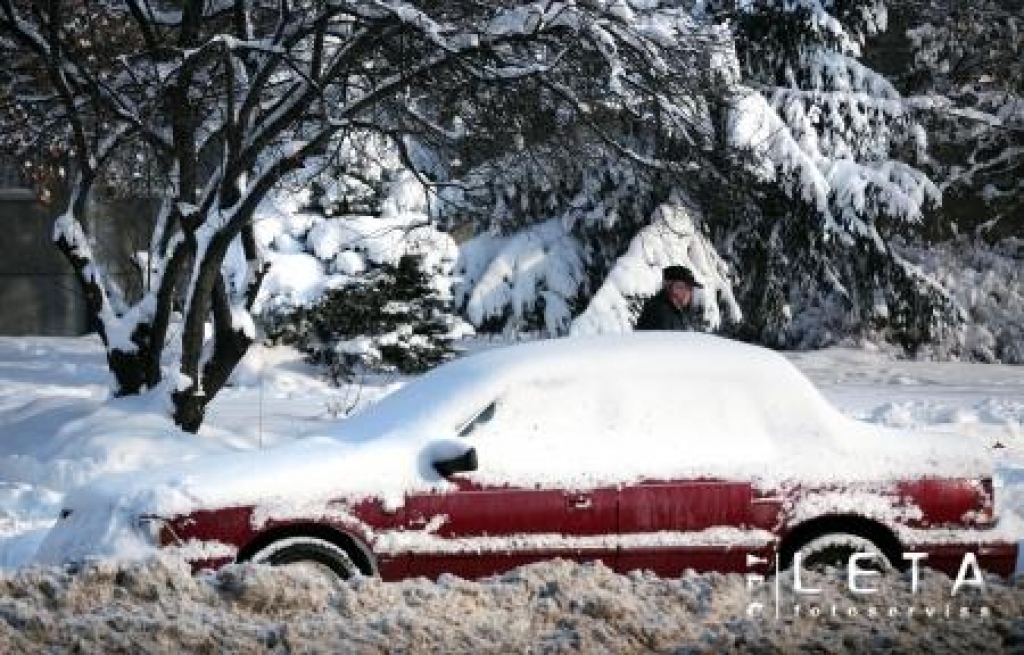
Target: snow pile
<point x="988" y="283"/>
<point x="769" y="422"/>
<point x="671" y="239"/>
<point x="157" y="607"/>
<point x="26" y="515"/>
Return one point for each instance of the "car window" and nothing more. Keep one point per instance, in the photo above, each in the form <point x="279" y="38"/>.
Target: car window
<point x="480" y="418"/>
<point x="558" y="428"/>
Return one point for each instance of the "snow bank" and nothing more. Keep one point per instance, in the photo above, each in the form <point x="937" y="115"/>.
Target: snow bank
<point x="60" y="428"/>
<point x="555" y="607"/>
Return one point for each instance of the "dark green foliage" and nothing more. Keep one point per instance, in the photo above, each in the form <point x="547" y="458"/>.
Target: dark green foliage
<point x="391" y="321"/>
<point x="969" y="56"/>
<point x="807" y="279"/>
<point x="802" y="288"/>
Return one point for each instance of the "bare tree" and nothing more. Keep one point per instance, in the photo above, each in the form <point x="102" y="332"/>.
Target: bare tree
<point x="224" y="99"/>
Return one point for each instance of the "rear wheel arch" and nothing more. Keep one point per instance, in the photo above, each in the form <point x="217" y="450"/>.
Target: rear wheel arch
<point x="356" y="550"/>
<point x="877" y="533"/>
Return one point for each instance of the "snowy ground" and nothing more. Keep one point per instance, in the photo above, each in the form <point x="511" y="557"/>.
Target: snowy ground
<point x="59" y="428"/>
<point x="555" y="607"/>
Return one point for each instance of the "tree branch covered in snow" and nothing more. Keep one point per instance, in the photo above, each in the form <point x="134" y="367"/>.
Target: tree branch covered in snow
<point x="834" y="169"/>
<point x="221" y="102"/>
<point x="966" y="70"/>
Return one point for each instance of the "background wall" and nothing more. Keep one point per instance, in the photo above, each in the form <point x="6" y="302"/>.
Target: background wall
<point x="38" y="291"/>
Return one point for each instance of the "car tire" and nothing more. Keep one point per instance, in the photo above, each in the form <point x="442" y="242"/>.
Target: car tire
<point x="319" y="556"/>
<point x="834" y="550"/>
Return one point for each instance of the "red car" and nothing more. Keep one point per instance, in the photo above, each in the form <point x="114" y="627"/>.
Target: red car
<point x="656" y="451"/>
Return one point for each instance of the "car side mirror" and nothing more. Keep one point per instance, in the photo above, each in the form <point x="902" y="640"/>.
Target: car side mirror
<point x="461" y="464"/>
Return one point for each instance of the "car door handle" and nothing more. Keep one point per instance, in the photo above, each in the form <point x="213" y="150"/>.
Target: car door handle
<point x="580" y="502"/>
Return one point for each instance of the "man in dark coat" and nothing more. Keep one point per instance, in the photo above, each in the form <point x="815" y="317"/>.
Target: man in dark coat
<point x="669" y="309"/>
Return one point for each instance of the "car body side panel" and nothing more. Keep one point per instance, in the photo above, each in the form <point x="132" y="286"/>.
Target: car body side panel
<point x="945" y="502"/>
<point x="238" y="529"/>
<point x="477" y="531"/>
<point x="667" y="527"/>
<point x="230" y="525"/>
<point x="683" y="505"/>
<point x="671" y="511"/>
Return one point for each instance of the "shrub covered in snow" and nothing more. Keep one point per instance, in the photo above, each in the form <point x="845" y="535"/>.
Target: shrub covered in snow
<point x="391" y="319"/>
<point x="528" y="281"/>
<point x="309" y="253"/>
<point x="359" y="292"/>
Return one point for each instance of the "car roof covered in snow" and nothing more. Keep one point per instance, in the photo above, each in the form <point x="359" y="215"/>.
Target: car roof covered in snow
<point x="681" y="367"/>
<point x="586" y="411"/>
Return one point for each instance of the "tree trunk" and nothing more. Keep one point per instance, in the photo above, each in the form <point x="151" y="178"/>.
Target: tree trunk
<point x="209" y="298"/>
<point x="190" y="405"/>
<point x="131" y="375"/>
<point x="135" y="371"/>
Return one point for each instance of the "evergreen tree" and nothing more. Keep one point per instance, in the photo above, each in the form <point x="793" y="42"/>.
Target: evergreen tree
<point x="831" y="187"/>
<point x="393" y="320"/>
<point x="798" y="186"/>
<point x="557" y="201"/>
<point x="368" y="292"/>
<point x="966" y="71"/>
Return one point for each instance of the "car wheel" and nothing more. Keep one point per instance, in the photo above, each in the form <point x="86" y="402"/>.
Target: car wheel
<point x="834" y="550"/>
<point x="317" y="556"/>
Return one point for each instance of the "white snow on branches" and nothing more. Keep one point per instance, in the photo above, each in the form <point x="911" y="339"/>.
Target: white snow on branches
<point x="540" y="269"/>
<point x="671" y="238"/>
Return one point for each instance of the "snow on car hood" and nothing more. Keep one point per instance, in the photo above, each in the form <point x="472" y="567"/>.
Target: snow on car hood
<point x="568" y="413"/>
<point x="102" y="518"/>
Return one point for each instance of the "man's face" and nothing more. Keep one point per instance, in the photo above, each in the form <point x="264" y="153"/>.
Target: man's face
<point x="680" y="293"/>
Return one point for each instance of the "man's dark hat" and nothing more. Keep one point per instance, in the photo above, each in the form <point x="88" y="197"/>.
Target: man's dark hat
<point x="680" y="274"/>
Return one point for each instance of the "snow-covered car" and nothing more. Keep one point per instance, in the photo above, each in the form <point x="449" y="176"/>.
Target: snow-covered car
<point x="645" y="451"/>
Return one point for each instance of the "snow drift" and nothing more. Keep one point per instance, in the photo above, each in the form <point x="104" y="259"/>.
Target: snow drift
<point x="556" y="607"/>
